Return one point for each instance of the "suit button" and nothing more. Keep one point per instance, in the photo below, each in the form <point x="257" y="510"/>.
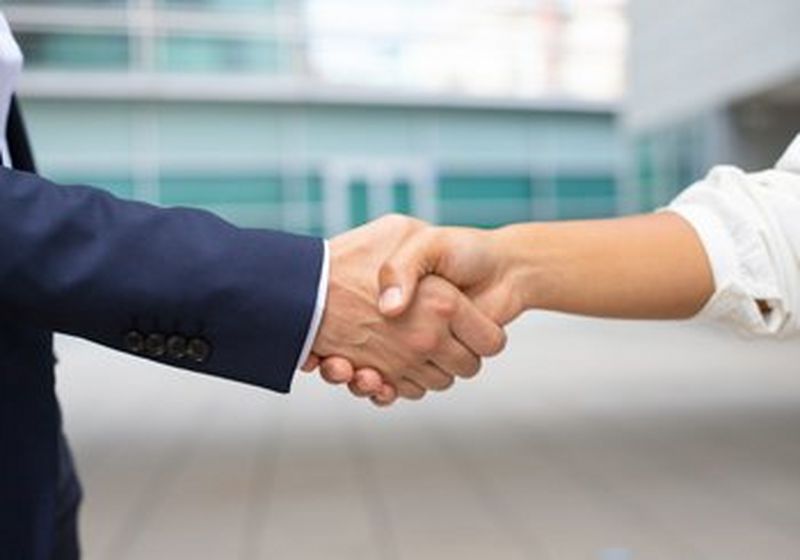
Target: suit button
<point x="176" y="347"/>
<point x="154" y="345"/>
<point x="198" y="350"/>
<point x="134" y="342"/>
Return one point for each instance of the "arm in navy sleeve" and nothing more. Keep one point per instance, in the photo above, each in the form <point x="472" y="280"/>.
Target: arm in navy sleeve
<point x="179" y="286"/>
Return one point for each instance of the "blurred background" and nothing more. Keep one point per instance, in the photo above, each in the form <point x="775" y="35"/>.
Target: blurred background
<point x="588" y="439"/>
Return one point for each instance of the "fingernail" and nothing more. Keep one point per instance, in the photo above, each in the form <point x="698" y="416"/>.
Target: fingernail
<point x="391" y="299"/>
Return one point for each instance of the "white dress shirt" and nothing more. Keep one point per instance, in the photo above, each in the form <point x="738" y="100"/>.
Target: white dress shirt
<point x="319" y="307"/>
<point x="749" y="224"/>
<point x="10" y="69"/>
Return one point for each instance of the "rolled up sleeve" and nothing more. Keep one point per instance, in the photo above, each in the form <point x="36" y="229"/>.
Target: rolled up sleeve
<point x="749" y="225"/>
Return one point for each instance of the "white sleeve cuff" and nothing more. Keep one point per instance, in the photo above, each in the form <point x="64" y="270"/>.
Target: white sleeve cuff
<point x="319" y="307"/>
<point x="736" y="293"/>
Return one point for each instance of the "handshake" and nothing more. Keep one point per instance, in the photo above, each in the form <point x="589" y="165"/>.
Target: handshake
<point x="411" y="308"/>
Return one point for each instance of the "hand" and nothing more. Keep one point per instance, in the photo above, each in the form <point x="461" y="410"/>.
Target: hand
<point x="440" y="335"/>
<point x="471" y="259"/>
<point x="476" y="261"/>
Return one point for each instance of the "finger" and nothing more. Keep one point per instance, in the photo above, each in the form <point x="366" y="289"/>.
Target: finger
<point x="456" y="359"/>
<point x="311" y="363"/>
<point x="369" y="381"/>
<point x="385" y="397"/>
<point x="336" y="370"/>
<point x="356" y="390"/>
<point x="399" y="275"/>
<point x="430" y="377"/>
<point x="409" y="389"/>
<point x="476" y="331"/>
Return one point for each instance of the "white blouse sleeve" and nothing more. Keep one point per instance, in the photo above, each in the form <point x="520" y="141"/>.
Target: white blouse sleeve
<point x="749" y="225"/>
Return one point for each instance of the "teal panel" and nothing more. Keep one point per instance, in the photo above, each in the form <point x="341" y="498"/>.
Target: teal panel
<point x="77" y="2"/>
<point x="314" y="231"/>
<point x="359" y="204"/>
<point x="484" y="201"/>
<point x="122" y="187"/>
<point x="586" y="197"/>
<point x="582" y="187"/>
<point x="74" y="51"/>
<point x="401" y="198"/>
<point x="205" y="190"/>
<point x="484" y="187"/>
<point x="314" y="188"/>
<point x="645" y="172"/>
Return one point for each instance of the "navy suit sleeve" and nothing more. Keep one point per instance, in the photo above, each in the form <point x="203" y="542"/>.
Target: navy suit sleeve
<point x="179" y="286"/>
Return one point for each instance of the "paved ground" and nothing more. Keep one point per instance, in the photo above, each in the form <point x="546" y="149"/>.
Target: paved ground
<point x="587" y="440"/>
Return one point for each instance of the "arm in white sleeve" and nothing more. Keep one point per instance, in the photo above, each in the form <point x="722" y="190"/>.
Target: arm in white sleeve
<point x="749" y="225"/>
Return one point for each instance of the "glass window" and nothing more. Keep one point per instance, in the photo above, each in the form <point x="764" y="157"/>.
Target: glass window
<point x="484" y="187"/>
<point x="74" y="2"/>
<point x="359" y="203"/>
<point x="203" y="190"/>
<point x="586" y="197"/>
<point x="118" y="185"/>
<point x="314" y="188"/>
<point x="585" y="187"/>
<point x="401" y="196"/>
<point x="74" y="51"/>
<point x="586" y="208"/>
<point x="484" y="201"/>
<point x="225" y="4"/>
<point x="645" y="173"/>
<point x="215" y="54"/>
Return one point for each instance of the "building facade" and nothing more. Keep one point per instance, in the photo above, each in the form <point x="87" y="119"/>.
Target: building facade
<point x="225" y="105"/>
<point x="710" y="82"/>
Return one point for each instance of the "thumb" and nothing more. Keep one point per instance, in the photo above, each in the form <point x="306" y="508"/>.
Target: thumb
<point x="399" y="275"/>
<point x="311" y="363"/>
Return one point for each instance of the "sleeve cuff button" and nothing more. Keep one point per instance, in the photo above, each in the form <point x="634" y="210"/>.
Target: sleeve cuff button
<point x="154" y="345"/>
<point x="198" y="350"/>
<point x="134" y="342"/>
<point x="176" y="347"/>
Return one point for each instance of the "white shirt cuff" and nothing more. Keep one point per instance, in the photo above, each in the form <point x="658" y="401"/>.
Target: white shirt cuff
<point x="319" y="308"/>
<point x="734" y="301"/>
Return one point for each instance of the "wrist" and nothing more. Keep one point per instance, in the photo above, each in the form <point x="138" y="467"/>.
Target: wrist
<point x="528" y="253"/>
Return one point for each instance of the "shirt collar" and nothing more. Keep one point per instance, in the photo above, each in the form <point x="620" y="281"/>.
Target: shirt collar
<point x="790" y="161"/>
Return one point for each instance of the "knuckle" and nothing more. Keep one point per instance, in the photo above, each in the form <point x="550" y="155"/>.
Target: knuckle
<point x="424" y="342"/>
<point x="393" y="218"/>
<point x="387" y="271"/>
<point x="401" y="222"/>
<point x="446" y="305"/>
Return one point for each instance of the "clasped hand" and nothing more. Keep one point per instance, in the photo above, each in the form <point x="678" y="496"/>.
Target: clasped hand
<point x="411" y="308"/>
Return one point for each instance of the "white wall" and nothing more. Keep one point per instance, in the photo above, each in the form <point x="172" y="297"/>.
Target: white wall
<point x="691" y="56"/>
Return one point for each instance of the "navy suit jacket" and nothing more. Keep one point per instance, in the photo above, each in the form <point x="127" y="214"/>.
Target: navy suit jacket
<point x="178" y="286"/>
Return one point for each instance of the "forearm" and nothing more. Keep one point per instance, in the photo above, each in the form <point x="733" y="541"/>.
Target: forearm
<point x="651" y="266"/>
<point x="135" y="277"/>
